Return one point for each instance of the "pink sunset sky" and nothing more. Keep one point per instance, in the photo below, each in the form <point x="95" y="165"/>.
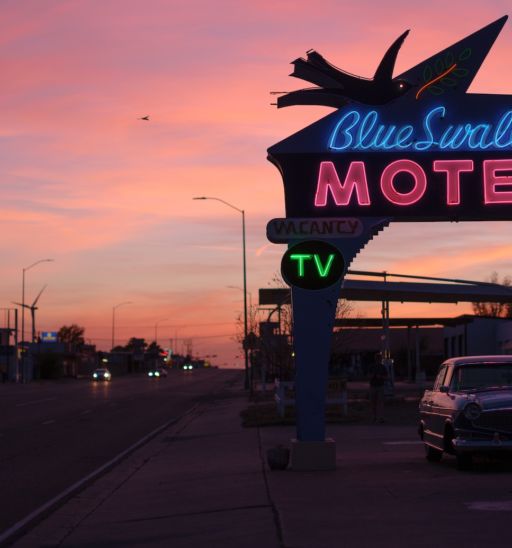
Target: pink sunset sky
<point x="109" y="197"/>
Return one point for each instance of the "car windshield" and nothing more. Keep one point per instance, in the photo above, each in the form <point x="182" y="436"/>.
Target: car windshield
<point x="482" y="377"/>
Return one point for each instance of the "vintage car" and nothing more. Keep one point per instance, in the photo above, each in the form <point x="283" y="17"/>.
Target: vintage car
<point x="469" y="409"/>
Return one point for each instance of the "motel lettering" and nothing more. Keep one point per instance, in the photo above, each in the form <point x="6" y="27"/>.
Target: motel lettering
<point x="354" y="187"/>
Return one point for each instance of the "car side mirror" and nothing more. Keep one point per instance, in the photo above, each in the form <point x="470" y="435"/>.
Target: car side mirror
<point x="444" y="389"/>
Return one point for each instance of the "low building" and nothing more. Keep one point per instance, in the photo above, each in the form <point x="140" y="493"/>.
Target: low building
<point x="413" y="349"/>
<point x="7" y="355"/>
<point x="470" y="335"/>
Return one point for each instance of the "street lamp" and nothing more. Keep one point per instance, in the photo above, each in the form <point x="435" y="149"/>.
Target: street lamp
<point x="241" y="289"/>
<point x="246" y="350"/>
<point x="156" y="329"/>
<point x="114" y="319"/>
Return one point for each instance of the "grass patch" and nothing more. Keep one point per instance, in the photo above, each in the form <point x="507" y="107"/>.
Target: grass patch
<point x="397" y="410"/>
<point x="265" y="414"/>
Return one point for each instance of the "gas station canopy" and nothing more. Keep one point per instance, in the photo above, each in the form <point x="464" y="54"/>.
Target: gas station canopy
<point x="367" y="290"/>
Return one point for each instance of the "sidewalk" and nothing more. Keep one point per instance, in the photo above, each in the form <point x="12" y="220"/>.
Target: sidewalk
<point x="198" y="483"/>
<point x="204" y="482"/>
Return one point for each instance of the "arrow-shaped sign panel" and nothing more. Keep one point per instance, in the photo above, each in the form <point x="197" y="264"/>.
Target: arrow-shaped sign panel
<point x="432" y="152"/>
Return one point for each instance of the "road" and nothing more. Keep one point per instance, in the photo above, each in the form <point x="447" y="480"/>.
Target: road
<point x="52" y="434"/>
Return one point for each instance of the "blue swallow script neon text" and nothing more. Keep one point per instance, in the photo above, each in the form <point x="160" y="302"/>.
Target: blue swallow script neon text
<point x="355" y="131"/>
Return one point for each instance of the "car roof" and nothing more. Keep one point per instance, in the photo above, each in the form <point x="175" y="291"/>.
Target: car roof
<point x="478" y="360"/>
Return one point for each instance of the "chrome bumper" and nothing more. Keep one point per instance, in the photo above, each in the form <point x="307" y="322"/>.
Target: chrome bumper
<point x="468" y="445"/>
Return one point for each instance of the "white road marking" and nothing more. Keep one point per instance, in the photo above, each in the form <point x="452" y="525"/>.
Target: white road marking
<point x="33" y="402"/>
<point x="403" y="442"/>
<point x="51" y="421"/>
<point x="491" y="505"/>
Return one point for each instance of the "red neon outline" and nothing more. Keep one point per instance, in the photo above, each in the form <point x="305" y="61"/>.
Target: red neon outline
<point x="328" y="180"/>
<point x="436" y="79"/>
<point x="453" y="169"/>
<point x="491" y="180"/>
<point x="386" y="180"/>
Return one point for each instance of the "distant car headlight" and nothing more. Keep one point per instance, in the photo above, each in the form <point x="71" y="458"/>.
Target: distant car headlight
<point x="472" y="411"/>
<point x="106" y="375"/>
<point x="157" y="374"/>
<point x="150" y="373"/>
<point x="95" y="375"/>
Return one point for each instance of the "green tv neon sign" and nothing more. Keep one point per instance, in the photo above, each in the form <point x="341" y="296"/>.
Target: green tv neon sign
<point x="312" y="265"/>
<point x="323" y="270"/>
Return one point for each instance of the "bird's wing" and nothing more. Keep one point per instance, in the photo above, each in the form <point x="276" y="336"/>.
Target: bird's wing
<point x="313" y="96"/>
<point x="340" y="76"/>
<point x="311" y="72"/>
<point x="385" y="69"/>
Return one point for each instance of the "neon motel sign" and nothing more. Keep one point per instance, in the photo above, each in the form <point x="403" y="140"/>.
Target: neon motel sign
<point x="497" y="188"/>
<point x="312" y="265"/>
<point x="433" y="153"/>
<point x="412" y="147"/>
<point x="356" y="132"/>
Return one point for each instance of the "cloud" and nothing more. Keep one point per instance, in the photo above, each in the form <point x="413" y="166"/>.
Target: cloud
<point x="109" y="196"/>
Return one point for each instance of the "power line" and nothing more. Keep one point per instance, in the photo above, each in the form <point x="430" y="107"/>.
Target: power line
<point x="198" y="337"/>
<point x="163" y="326"/>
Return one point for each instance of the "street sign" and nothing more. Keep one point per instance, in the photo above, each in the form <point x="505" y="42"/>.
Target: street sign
<point x="49" y="336"/>
<point x="312" y="265"/>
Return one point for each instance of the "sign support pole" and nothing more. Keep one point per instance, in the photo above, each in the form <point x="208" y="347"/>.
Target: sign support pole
<point x="312" y="333"/>
<point x="314" y="312"/>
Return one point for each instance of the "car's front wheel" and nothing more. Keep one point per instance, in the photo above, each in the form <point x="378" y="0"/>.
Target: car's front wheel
<point x="432" y="454"/>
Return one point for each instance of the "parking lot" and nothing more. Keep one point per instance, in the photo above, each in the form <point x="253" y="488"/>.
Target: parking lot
<point x="384" y="492"/>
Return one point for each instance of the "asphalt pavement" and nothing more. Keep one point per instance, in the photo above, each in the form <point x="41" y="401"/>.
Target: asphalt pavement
<point x="54" y="433"/>
<point x="204" y="481"/>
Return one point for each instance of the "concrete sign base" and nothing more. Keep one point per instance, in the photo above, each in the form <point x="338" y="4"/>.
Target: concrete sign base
<point x="313" y="455"/>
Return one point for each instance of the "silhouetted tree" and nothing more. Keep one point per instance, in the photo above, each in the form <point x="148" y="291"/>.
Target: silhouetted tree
<point x="133" y="344"/>
<point x="72" y="334"/>
<point x="494" y="310"/>
<point x="154" y="348"/>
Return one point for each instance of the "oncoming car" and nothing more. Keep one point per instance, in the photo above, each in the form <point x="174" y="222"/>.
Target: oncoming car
<point x="101" y="374"/>
<point x="469" y="409"/>
<point x="157" y="373"/>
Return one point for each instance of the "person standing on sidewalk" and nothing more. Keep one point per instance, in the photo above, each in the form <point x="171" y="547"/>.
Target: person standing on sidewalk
<point x="378" y="378"/>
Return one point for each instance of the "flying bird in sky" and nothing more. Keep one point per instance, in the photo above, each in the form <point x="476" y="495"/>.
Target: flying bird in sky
<point x="337" y="87"/>
<point x="146" y="118"/>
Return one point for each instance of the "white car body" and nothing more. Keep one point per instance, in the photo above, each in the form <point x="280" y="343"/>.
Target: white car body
<point x="469" y="409"/>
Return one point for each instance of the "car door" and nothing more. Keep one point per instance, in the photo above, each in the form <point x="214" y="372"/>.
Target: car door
<point x="431" y="409"/>
<point x="442" y="403"/>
